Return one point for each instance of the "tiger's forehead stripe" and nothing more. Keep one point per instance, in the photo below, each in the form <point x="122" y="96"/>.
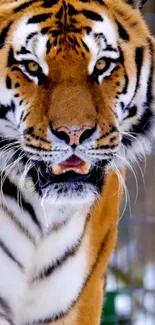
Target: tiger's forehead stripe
<point x="92" y="36"/>
<point x="4" y="34"/>
<point x="96" y="22"/>
<point x="23" y="6"/>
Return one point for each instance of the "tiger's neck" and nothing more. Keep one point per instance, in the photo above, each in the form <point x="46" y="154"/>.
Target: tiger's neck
<point x="46" y="213"/>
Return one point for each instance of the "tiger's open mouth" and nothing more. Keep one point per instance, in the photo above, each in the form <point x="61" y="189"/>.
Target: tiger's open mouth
<point x="71" y="171"/>
<point x="74" y="164"/>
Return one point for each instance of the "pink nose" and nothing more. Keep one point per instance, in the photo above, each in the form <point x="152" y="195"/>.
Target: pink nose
<point x="74" y="136"/>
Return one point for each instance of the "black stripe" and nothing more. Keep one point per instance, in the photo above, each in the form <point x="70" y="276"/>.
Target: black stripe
<point x="75" y="42"/>
<point x="22" y="113"/>
<point x="125" y="88"/>
<point x="7" y="319"/>
<point x="48" y="47"/>
<point x="45" y="30"/>
<point x="69" y="253"/>
<point x="150" y="96"/>
<point x="49" y="3"/>
<point x="139" y="55"/>
<point x="37" y="137"/>
<point x="11" y="59"/>
<point x="18" y="224"/>
<point x="147" y="120"/>
<point x="132" y="112"/>
<point x="99" y="1"/>
<point x="88" y="29"/>
<point x="65" y="14"/>
<point x="72" y="11"/>
<point x="4" y="109"/>
<point x="85" y="46"/>
<point x="23" y="51"/>
<point x="59" y="13"/>
<point x="7" y="252"/>
<point x="4" y="34"/>
<point x="105" y="135"/>
<point x="5" y="311"/>
<point x="121" y="60"/>
<point x="142" y="127"/>
<point x="12" y="106"/>
<point x="28" y="131"/>
<point x="48" y="271"/>
<point x="91" y="15"/>
<point x="23" y="6"/>
<point x="20" y="103"/>
<point x="122" y="31"/>
<point x="56" y="32"/>
<point x="8" y="83"/>
<point x="18" y="69"/>
<point x="39" y="149"/>
<point x="106" y="147"/>
<point x="38" y="18"/>
<point x="11" y="190"/>
<point x="17" y="85"/>
<point x="30" y="36"/>
<point x="4" y="306"/>
<point x="109" y="48"/>
<point x="25" y="117"/>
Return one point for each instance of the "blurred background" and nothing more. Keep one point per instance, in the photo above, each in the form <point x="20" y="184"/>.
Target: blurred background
<point x="130" y="298"/>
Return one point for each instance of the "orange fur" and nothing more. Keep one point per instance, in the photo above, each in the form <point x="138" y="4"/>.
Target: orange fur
<point x="102" y="234"/>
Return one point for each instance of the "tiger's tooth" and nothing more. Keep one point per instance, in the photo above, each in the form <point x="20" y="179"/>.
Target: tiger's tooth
<point x="85" y="168"/>
<point x="56" y="169"/>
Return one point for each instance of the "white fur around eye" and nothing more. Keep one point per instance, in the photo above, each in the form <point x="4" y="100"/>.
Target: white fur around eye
<point x="36" y="47"/>
<point x="108" y="72"/>
<point x="22" y="30"/>
<point x="25" y="72"/>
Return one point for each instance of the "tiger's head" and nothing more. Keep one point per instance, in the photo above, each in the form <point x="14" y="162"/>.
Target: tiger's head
<point x="76" y="92"/>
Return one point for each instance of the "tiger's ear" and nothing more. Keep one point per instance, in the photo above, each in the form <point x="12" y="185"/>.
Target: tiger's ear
<point x="137" y="3"/>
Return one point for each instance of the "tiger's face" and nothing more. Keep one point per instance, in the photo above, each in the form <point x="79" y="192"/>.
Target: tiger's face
<point x="76" y="92"/>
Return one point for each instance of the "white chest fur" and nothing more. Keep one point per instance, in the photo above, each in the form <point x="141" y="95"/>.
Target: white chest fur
<point x="53" y="267"/>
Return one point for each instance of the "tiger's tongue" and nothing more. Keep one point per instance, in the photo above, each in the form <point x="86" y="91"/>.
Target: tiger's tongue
<point x="72" y="164"/>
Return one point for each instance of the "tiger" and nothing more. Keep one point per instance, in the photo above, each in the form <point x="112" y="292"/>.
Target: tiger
<point x="76" y="109"/>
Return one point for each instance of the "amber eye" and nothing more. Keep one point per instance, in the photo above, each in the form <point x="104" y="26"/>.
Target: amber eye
<point x="33" y="67"/>
<point x="101" y="64"/>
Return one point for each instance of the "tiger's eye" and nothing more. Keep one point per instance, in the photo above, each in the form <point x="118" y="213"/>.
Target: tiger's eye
<point x="33" y="66"/>
<point x="100" y="64"/>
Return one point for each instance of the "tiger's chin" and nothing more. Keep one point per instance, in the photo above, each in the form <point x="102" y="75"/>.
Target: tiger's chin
<point x="71" y="193"/>
<point x="73" y="184"/>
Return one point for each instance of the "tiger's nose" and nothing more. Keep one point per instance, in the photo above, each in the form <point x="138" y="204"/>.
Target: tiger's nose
<point x="74" y="136"/>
